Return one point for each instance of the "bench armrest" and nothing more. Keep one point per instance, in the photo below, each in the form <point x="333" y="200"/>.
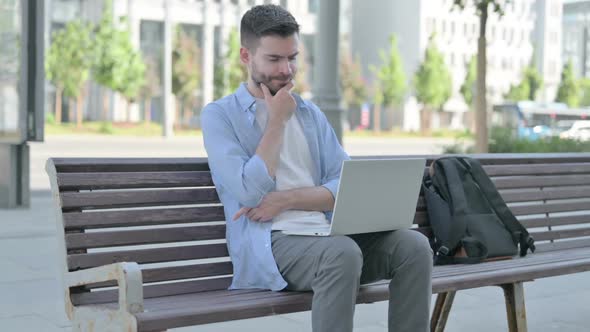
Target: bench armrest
<point x="127" y="275"/>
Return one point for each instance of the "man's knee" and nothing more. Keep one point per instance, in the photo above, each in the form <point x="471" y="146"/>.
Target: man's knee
<point x="345" y="255"/>
<point x="414" y="246"/>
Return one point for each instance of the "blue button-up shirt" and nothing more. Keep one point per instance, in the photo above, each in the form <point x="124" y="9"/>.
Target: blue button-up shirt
<point x="231" y="137"/>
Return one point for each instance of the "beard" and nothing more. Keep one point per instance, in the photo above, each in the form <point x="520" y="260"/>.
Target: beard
<point x="267" y="80"/>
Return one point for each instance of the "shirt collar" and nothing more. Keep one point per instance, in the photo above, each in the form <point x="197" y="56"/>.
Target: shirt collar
<point x="245" y="99"/>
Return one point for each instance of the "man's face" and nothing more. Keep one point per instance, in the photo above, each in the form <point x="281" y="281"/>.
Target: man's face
<point x="274" y="61"/>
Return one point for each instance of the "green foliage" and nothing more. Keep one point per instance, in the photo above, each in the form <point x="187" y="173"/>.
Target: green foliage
<point x="118" y="65"/>
<point x="301" y="78"/>
<point x="69" y="58"/>
<point x="352" y="83"/>
<point x="106" y="128"/>
<point x="152" y="80"/>
<point x="501" y="141"/>
<point x="49" y="118"/>
<point x="230" y="72"/>
<point x="391" y="78"/>
<point x="529" y="85"/>
<point x="468" y="87"/>
<point x="186" y="67"/>
<point x="518" y="92"/>
<point x="584" y="85"/>
<point x="432" y="79"/>
<point x="534" y="80"/>
<point x="498" y="6"/>
<point x="568" y="91"/>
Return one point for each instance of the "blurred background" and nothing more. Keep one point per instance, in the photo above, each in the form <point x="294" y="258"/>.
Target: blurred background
<point x="386" y="68"/>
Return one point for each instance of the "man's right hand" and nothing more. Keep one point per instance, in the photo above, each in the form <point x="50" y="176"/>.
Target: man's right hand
<point x="282" y="105"/>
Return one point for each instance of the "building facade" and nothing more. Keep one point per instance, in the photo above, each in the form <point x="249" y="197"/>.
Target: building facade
<point x="511" y="41"/>
<point x="208" y="22"/>
<point x="576" y="38"/>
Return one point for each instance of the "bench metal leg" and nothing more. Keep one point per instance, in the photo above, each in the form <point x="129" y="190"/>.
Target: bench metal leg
<point x="515" y="309"/>
<point x="442" y="308"/>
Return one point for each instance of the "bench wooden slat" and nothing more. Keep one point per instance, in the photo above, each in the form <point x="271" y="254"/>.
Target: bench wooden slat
<point x="549" y="208"/>
<point x="152" y="255"/>
<point x="560" y="234"/>
<point x="146" y="217"/>
<point x="137" y="198"/>
<point x="538" y="169"/>
<point x="144" y="236"/>
<point x="538" y="195"/>
<point x="562" y="245"/>
<point x="529" y="260"/>
<point x="155" y="290"/>
<point x="170" y="273"/>
<point x="121" y="180"/>
<point x="556" y="221"/>
<point x="170" y="313"/>
<point x="91" y="165"/>
<point x="541" y="181"/>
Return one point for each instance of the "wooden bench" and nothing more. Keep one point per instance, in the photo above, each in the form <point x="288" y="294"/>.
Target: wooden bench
<point x="143" y="242"/>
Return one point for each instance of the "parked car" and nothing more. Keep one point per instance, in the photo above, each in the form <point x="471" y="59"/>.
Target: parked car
<point x="580" y="130"/>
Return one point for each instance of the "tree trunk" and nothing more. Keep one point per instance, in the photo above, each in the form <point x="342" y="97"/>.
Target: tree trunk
<point x="377" y="119"/>
<point x="71" y="109"/>
<point x="105" y="105"/>
<point x="481" y="127"/>
<point x="425" y="116"/>
<point x="79" y="110"/>
<point x="127" y="111"/>
<point x="58" y="104"/>
<point x="147" y="111"/>
<point x="178" y="118"/>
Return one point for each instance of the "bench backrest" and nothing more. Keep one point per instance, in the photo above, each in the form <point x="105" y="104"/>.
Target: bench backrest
<point x="165" y="214"/>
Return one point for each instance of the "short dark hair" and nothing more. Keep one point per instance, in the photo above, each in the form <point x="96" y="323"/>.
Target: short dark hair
<point x="266" y="20"/>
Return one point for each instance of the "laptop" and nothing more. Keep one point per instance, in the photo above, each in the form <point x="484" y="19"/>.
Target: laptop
<point x="374" y="195"/>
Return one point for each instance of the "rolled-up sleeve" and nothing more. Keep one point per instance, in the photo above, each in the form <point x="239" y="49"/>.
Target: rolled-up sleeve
<point x="245" y="177"/>
<point x="331" y="152"/>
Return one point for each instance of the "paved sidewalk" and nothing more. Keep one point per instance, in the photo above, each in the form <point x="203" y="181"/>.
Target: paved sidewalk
<point x="30" y="293"/>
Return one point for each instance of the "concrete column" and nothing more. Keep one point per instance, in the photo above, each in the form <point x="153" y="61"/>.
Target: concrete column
<point x="208" y="53"/>
<point x="325" y="88"/>
<point x="167" y="107"/>
<point x="14" y="177"/>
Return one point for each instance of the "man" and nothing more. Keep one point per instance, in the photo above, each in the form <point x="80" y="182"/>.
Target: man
<point x="276" y="163"/>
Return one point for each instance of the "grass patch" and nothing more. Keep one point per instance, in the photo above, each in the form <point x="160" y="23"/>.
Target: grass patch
<point x="139" y="129"/>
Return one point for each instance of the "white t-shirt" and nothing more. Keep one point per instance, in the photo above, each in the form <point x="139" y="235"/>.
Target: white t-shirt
<point x="295" y="170"/>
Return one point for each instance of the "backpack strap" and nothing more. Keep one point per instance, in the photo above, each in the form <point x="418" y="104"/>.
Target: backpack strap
<point x="519" y="233"/>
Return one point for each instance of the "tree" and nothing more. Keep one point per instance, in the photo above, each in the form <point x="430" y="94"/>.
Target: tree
<point x="391" y="79"/>
<point x="568" y="91"/>
<point x="468" y="88"/>
<point x="301" y="80"/>
<point x="433" y="83"/>
<point x="353" y="86"/>
<point x="151" y="87"/>
<point x="186" y="71"/>
<point x="530" y="83"/>
<point x="68" y="64"/>
<point x="118" y="65"/>
<point x="533" y="79"/>
<point x="584" y="85"/>
<point x="229" y="72"/>
<point x="520" y="91"/>
<point x="352" y="83"/>
<point x="482" y="10"/>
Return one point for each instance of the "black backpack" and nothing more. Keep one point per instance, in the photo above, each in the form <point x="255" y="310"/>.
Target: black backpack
<point x="469" y="218"/>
